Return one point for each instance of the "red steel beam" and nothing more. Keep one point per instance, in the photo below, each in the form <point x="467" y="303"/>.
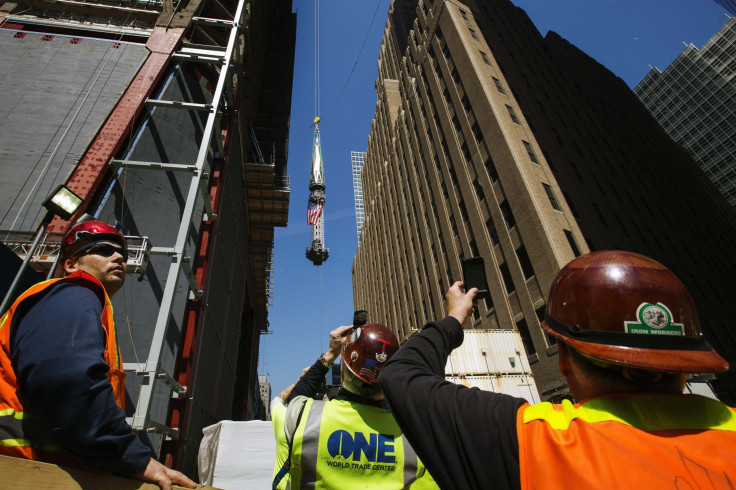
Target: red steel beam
<point x="91" y="170"/>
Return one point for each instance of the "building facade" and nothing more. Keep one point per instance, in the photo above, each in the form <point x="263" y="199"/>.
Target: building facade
<point x="490" y="140"/>
<point x="172" y="122"/>
<point x="264" y="390"/>
<point x="357" y="158"/>
<point x="729" y="5"/>
<point x="694" y="100"/>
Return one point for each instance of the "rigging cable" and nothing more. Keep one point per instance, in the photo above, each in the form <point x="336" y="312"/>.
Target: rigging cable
<point x="355" y="65"/>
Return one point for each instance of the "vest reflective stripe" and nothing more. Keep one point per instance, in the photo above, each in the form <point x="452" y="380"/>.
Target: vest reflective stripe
<point x="410" y="464"/>
<point x="645" y="414"/>
<point x="22" y="435"/>
<point x="342" y="444"/>
<point x="644" y="441"/>
<point x="310" y="444"/>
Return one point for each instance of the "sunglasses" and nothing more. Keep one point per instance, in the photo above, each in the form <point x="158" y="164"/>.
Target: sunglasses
<point x="104" y="250"/>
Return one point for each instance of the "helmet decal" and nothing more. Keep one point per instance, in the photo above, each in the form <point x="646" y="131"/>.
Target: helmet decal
<point x="654" y="319"/>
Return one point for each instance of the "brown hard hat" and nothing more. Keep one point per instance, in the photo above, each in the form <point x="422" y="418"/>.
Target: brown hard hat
<point x="367" y="349"/>
<point x="626" y="309"/>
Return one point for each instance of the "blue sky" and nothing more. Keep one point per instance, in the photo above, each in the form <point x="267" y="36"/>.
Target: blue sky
<point x="626" y="36"/>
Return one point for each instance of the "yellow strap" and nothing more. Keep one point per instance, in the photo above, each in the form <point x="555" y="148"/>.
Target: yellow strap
<point x="646" y="412"/>
<point x="17" y="415"/>
<point x="29" y="443"/>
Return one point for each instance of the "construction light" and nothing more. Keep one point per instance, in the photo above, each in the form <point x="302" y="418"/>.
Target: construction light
<point x="63" y="203"/>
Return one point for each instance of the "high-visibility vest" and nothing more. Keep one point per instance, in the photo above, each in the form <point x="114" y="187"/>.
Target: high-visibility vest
<point x="21" y="434"/>
<point x="344" y="444"/>
<point x="644" y="441"/>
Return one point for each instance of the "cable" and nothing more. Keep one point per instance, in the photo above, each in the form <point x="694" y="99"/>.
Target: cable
<point x="355" y="65"/>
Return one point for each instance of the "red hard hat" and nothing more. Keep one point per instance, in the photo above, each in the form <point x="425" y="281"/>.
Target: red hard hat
<point x="626" y="309"/>
<point x="87" y="232"/>
<point x="366" y="351"/>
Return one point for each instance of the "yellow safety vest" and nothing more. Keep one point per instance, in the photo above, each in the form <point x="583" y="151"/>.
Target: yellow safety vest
<point x="345" y="444"/>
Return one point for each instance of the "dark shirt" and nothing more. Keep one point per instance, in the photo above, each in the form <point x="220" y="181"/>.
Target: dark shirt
<point x="466" y="437"/>
<point x="57" y="346"/>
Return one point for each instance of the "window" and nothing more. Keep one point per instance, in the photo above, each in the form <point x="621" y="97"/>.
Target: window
<point x="530" y="151"/>
<point x="453" y="176"/>
<point x="491" y="170"/>
<point x="464" y="14"/>
<point x="508" y="216"/>
<point x="477" y="132"/>
<point x="453" y="225"/>
<point x="573" y="245"/>
<point x="466" y="154"/>
<point x="551" y="196"/>
<point x="456" y="124"/>
<point x="466" y="103"/>
<point x="455" y="75"/>
<point x="473" y="34"/>
<point x="485" y="57"/>
<point x="526" y="264"/>
<point x="512" y="114"/>
<point x="506" y="275"/>
<point x="478" y="190"/>
<point x="463" y="212"/>
<point x="492" y="232"/>
<point x="498" y="85"/>
<point x="526" y="337"/>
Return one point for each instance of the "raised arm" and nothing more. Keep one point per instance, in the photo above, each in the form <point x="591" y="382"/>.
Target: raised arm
<point x="454" y="429"/>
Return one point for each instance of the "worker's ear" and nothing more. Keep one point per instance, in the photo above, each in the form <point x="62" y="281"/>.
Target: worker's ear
<point x="70" y="266"/>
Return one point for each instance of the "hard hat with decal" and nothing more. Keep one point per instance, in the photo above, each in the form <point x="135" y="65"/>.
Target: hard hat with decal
<point x="364" y="353"/>
<point x="82" y="235"/>
<point x="628" y="310"/>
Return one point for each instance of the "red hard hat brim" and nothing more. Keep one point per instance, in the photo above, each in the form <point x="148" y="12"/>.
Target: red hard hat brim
<point x="662" y="360"/>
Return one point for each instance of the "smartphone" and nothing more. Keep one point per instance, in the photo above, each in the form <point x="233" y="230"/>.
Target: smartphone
<point x="474" y="276"/>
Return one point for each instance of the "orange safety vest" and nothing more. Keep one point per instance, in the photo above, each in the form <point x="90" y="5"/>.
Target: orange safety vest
<point x="21" y="434"/>
<point x="643" y="441"/>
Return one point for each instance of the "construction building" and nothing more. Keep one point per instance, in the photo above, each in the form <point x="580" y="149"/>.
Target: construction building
<point x="694" y="100"/>
<point x="356" y="159"/>
<point x="491" y="140"/>
<point x="169" y="119"/>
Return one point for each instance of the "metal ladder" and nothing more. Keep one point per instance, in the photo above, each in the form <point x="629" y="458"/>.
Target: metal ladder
<point x="225" y="58"/>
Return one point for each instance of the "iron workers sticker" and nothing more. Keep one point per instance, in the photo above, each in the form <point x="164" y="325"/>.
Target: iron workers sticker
<point x="654" y="319"/>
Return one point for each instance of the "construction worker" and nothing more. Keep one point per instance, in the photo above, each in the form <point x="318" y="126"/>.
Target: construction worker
<point x="352" y="440"/>
<point x="62" y="385"/>
<point x="628" y="334"/>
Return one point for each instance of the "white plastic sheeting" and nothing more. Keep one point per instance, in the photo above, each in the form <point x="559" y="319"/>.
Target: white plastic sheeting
<point x="489" y="352"/>
<point x="237" y="455"/>
<point x="514" y="385"/>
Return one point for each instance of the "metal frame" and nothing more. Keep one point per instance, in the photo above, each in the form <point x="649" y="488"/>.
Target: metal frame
<point x="198" y="185"/>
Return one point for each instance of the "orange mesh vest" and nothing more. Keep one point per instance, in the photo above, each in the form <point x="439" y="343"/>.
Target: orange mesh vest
<point x="645" y="441"/>
<point x="19" y="435"/>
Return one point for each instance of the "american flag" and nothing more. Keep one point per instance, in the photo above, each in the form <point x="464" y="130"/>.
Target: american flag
<point x="314" y="209"/>
<point x="369" y="370"/>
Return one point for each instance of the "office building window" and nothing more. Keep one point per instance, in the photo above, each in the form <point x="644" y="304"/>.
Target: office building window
<point x="463" y="212"/>
<point x="466" y="103"/>
<point x="573" y="244"/>
<point x="478" y="190"/>
<point x="492" y="233"/>
<point x="526" y="264"/>
<point x="512" y="114"/>
<point x="491" y="170"/>
<point x="551" y="196"/>
<point x="477" y="132"/>
<point x="551" y="339"/>
<point x="508" y="216"/>
<point x="498" y="85"/>
<point x="473" y="34"/>
<point x="485" y="57"/>
<point x="526" y="337"/>
<point x="530" y="151"/>
<point x="506" y="275"/>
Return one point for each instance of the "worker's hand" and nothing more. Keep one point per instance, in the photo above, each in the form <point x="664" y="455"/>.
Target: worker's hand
<point x="337" y="337"/>
<point x="459" y="304"/>
<point x="163" y="476"/>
